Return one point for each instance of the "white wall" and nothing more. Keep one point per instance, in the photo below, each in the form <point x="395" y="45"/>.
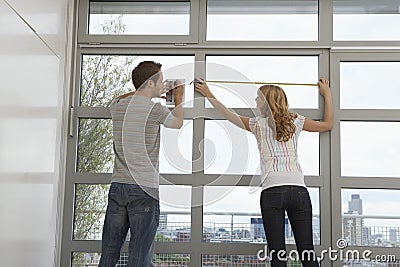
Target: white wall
<point x="31" y="115"/>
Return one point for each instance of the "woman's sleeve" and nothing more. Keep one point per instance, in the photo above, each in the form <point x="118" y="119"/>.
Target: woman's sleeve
<point x="253" y="124"/>
<point x="299" y="122"/>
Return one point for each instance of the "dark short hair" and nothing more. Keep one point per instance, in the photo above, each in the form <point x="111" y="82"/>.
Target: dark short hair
<point x="144" y="71"/>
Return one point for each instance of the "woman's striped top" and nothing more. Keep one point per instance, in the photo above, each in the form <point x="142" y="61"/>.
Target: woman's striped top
<point x="278" y="160"/>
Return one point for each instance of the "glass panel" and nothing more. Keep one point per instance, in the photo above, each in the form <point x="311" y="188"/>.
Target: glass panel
<point x="91" y="204"/>
<point x="95" y="146"/>
<point x="232" y="214"/>
<point x="80" y="259"/>
<point x="370" y="149"/>
<point x="105" y="77"/>
<point x="221" y="137"/>
<point x="279" y="20"/>
<point x="232" y="260"/>
<point x="365" y="20"/>
<point x="154" y="18"/>
<point x="176" y="149"/>
<point x="385" y="260"/>
<point x="175" y="217"/>
<point x="369" y="85"/>
<point x="371" y="217"/>
<point x="90" y="209"/>
<point x="266" y="69"/>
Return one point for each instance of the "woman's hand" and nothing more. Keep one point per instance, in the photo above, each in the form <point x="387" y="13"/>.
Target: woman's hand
<point x="202" y="88"/>
<point x="323" y="87"/>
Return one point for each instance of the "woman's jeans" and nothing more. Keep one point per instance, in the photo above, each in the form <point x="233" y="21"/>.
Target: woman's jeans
<point x="129" y="207"/>
<point x="295" y="200"/>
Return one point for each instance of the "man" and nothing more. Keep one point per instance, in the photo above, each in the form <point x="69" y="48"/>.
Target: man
<point x="133" y="201"/>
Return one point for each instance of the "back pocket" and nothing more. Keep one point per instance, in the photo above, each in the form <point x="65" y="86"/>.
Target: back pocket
<point x="272" y="199"/>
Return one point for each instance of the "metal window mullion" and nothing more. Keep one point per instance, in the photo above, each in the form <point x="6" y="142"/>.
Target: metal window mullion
<point x="325" y="168"/>
<point x="366" y="44"/>
<point x="202" y="22"/>
<point x="82" y="19"/>
<point x="364" y="55"/>
<point x="244" y="51"/>
<point x="197" y="167"/>
<point x="325" y="22"/>
<point x="193" y="24"/>
<point x="335" y="157"/>
<point x="391" y="183"/>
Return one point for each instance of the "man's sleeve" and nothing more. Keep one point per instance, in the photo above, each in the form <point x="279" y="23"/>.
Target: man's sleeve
<point x="162" y="114"/>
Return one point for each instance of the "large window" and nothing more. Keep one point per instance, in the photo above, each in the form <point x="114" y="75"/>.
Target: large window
<point x="210" y="169"/>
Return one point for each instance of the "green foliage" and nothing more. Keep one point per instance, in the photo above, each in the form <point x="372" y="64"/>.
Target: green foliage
<point x="90" y="204"/>
<point x="95" y="154"/>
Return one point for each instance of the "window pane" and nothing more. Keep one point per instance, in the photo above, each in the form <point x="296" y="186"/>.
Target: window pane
<point x="220" y="157"/>
<point x="95" y="146"/>
<point x="232" y="214"/>
<point x="365" y="20"/>
<point x="96" y="155"/>
<point x="277" y="20"/>
<point x="232" y="260"/>
<point x="231" y="150"/>
<point x="268" y="69"/>
<point x="370" y="149"/>
<point x="386" y="260"/>
<point x="140" y="18"/>
<point x="175" y="218"/>
<point x="105" y="77"/>
<point x="371" y="217"/>
<point x="176" y="149"/>
<point x="90" y="209"/>
<point x="360" y="83"/>
<point x="91" y="204"/>
<point x="80" y="259"/>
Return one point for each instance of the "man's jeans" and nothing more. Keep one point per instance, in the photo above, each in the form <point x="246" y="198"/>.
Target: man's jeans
<point x="129" y="207"/>
<point x="296" y="201"/>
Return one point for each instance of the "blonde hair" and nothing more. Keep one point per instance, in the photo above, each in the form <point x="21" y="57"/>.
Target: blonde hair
<point x="278" y="105"/>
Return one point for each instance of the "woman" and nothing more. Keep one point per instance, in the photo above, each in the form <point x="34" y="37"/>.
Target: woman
<point x="283" y="188"/>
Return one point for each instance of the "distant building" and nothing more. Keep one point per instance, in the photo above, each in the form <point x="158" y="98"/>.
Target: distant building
<point x="288" y="229"/>
<point x="353" y="227"/>
<point x="393" y="235"/>
<point x="355" y="205"/>
<point x="257" y="228"/>
<point x="163" y="221"/>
